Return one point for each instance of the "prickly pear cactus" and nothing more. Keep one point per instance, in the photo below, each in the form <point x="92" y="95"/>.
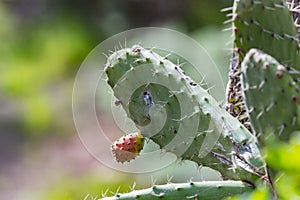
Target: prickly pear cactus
<point x="272" y="95"/>
<point x="269" y="26"/>
<point x="266" y="25"/>
<point x="177" y="114"/>
<point x="171" y="109"/>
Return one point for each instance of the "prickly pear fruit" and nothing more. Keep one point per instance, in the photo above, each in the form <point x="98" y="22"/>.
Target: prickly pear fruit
<point x="128" y="147"/>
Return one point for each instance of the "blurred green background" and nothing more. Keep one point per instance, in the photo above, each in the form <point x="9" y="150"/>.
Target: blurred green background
<point x="43" y="43"/>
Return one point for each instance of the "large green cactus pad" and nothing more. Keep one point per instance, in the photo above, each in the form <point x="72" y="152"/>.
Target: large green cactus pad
<point x="179" y="115"/>
<point x="267" y="25"/>
<point x="272" y="95"/>
<point x="211" y="190"/>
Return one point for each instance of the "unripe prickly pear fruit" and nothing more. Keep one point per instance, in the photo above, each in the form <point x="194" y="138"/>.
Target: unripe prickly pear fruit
<point x="128" y="147"/>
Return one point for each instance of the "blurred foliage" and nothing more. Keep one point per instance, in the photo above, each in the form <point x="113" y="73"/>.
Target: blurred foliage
<point x="87" y="187"/>
<point x="36" y="64"/>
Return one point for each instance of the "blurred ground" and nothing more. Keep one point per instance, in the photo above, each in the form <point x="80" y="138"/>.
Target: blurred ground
<point x="42" y="46"/>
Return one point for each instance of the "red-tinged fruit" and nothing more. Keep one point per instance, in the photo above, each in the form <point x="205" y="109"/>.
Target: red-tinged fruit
<point x="128" y="147"/>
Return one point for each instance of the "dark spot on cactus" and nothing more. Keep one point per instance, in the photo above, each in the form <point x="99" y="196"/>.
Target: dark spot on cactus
<point x="284" y="125"/>
<point x="206" y="99"/>
<point x="279" y="74"/>
<point x="251" y="20"/>
<point x="161" y="62"/>
<point x="193" y="83"/>
<point x="262" y="29"/>
<point x="174" y="131"/>
<point x="239" y="50"/>
<point x="136" y="49"/>
<point x="291" y="83"/>
<point x="191" y="183"/>
<point x="118" y="102"/>
<point x="273" y="35"/>
<point x="294" y="99"/>
<point x="235" y="29"/>
<point x="267" y="66"/>
<point x="147" y="59"/>
<point x="282" y="90"/>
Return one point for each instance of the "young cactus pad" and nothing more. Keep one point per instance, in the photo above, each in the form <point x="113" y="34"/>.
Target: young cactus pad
<point x="272" y="95"/>
<point x="211" y="190"/>
<point x="177" y="114"/>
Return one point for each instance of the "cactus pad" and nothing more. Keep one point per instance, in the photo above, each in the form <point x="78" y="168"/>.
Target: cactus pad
<point x="272" y="95"/>
<point x="266" y="25"/>
<point x="177" y="114"/>
<point x="210" y="190"/>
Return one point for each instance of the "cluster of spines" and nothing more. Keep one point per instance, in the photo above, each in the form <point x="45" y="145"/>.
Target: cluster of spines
<point x="210" y="190"/>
